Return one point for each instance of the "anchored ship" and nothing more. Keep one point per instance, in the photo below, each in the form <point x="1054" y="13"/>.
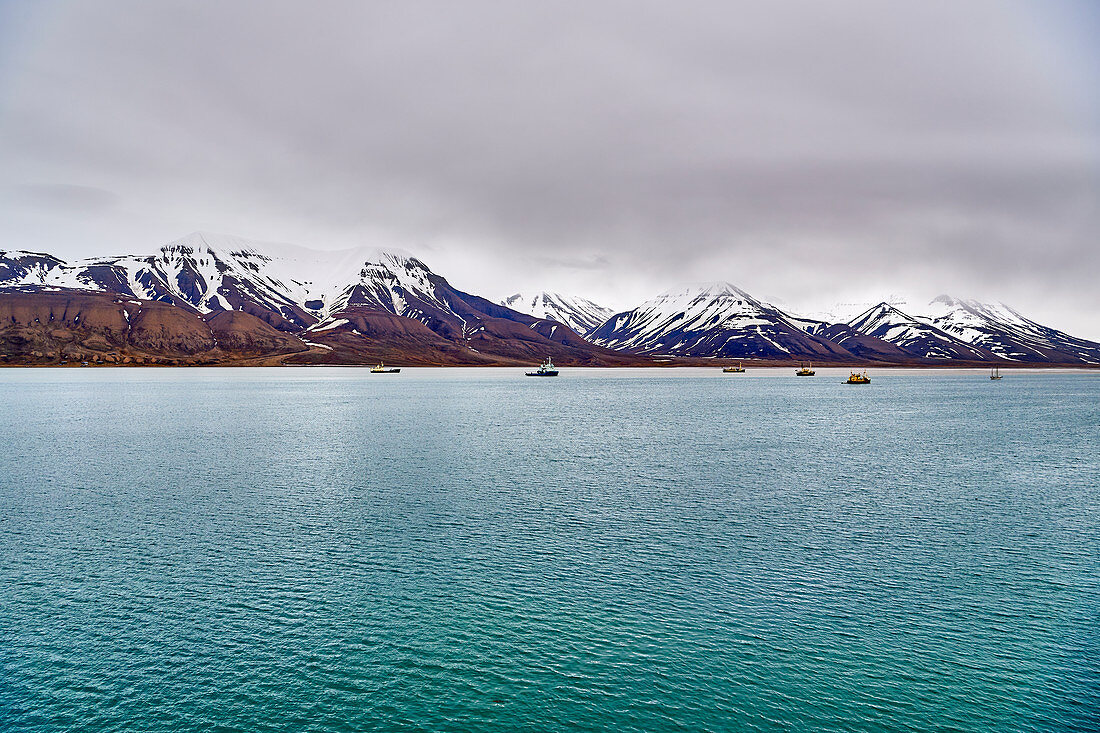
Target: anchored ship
<point x="546" y="369"/>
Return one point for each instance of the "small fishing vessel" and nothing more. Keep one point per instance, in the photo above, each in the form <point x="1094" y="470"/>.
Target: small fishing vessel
<point x="995" y="373"/>
<point x="546" y="369"/>
<point x="857" y="378"/>
<point x="381" y="369"/>
<point x="804" y="370"/>
<point x="734" y="369"/>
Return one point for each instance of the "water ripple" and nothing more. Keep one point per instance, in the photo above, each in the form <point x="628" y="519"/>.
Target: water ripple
<point x="278" y="550"/>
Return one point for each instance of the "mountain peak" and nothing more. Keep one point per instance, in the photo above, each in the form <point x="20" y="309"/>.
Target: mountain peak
<point x="711" y="319"/>
<point x="692" y="295"/>
<point x="912" y="335"/>
<point x="1005" y="332"/>
<point x="947" y="302"/>
<point x="944" y="303"/>
<point x="580" y="314"/>
<point x="214" y="242"/>
<point x="227" y="244"/>
<point x="714" y="289"/>
<point x="877" y="312"/>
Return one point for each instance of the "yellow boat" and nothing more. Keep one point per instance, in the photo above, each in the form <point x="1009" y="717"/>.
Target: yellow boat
<point x="734" y="370"/>
<point x="381" y="369"/>
<point x="858" y="378"/>
<point x="804" y="370"/>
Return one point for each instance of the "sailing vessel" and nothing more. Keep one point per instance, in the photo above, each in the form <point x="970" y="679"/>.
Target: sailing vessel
<point x="995" y="373"/>
<point x="381" y="369"/>
<point x="857" y="378"/>
<point x="804" y="370"/>
<point x="546" y="369"/>
<point x="734" y="370"/>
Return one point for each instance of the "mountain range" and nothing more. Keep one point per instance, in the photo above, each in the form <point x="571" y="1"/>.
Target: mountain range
<point x="287" y="304"/>
<point x="580" y="314"/>
<point x="915" y="336"/>
<point x="215" y="299"/>
<point x="712" y="320"/>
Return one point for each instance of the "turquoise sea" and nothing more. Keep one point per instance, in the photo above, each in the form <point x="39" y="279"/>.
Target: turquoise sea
<point x="323" y="549"/>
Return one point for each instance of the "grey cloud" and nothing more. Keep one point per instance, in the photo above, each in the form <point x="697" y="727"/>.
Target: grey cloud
<point x="590" y="262"/>
<point x="798" y="148"/>
<point x="65" y="197"/>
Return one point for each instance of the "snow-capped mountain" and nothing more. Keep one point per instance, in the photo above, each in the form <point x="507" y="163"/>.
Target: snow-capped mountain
<point x="211" y="272"/>
<point x="913" y="336"/>
<point x="578" y="313"/>
<point x="712" y="319"/>
<point x="359" y="297"/>
<point x="17" y="266"/>
<point x="235" y="293"/>
<point x="838" y="312"/>
<point x="1007" y="334"/>
<point x="859" y="344"/>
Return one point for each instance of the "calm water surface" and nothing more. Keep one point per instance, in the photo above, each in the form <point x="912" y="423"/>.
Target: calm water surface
<point x="637" y="550"/>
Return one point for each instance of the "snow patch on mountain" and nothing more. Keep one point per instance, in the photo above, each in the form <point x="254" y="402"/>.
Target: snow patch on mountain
<point x="710" y="319"/>
<point x="211" y="272"/>
<point x="294" y="288"/>
<point x="1003" y="331"/>
<point x="916" y="337"/>
<point x="578" y="313"/>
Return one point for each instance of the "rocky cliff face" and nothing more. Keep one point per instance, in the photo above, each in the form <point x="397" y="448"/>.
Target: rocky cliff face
<point x="52" y="327"/>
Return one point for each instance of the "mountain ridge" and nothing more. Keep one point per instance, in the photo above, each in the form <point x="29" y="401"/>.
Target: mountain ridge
<point x="580" y="314"/>
<point x="1006" y="333"/>
<point x="913" y="336"/>
<point x="293" y="290"/>
<point x="357" y="304"/>
<point x="712" y="319"/>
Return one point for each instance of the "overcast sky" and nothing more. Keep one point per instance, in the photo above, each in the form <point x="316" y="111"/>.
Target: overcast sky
<point x="809" y="152"/>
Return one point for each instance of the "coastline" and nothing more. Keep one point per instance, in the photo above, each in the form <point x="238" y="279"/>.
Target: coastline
<point x="270" y="363"/>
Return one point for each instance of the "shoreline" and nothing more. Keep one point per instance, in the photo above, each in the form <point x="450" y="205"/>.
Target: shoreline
<point x="1013" y="366"/>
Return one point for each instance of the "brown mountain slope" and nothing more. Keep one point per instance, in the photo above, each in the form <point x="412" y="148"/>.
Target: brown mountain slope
<point x="244" y="333"/>
<point x="364" y="335"/>
<point x="66" y="326"/>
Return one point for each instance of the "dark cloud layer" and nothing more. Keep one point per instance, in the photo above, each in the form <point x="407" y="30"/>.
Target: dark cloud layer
<point x="807" y="151"/>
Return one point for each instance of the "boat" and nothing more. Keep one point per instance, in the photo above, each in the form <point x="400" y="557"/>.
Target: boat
<point x="734" y="370"/>
<point x="546" y="369"/>
<point x="857" y="378"/>
<point x="995" y="373"/>
<point x="804" y="370"/>
<point x="381" y="369"/>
